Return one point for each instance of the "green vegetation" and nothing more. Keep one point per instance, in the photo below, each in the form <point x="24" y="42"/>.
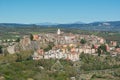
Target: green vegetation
<point x="20" y="66"/>
<point x="15" y="32"/>
<point x="0" y="49"/>
<point x="117" y="46"/>
<point x="91" y="62"/>
<point x="102" y="49"/>
<point x="18" y="40"/>
<point x="49" y="47"/>
<point x="83" y="41"/>
<point x="31" y="37"/>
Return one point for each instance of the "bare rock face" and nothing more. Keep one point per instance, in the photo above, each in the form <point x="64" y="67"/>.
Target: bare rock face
<point x="13" y="48"/>
<point x="25" y="43"/>
<point x="35" y="45"/>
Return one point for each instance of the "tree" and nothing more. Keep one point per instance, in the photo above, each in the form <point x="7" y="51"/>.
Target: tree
<point x="48" y="48"/>
<point x="101" y="49"/>
<point x="19" y="57"/>
<point x="0" y="49"/>
<point x="92" y="46"/>
<point x="18" y="40"/>
<point x="99" y="52"/>
<point x="83" y="41"/>
<point x="31" y="37"/>
<point x="117" y="46"/>
<point x="51" y="44"/>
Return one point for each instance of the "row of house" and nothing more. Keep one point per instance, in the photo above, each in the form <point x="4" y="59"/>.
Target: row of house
<point x="66" y="45"/>
<point x="56" y="54"/>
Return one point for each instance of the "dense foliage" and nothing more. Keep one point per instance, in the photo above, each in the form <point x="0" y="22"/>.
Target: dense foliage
<point x="83" y="41"/>
<point x="20" y="66"/>
<point x="0" y="49"/>
<point x="31" y="37"/>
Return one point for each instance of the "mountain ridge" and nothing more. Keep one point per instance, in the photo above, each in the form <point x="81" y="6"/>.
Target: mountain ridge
<point x="100" y="26"/>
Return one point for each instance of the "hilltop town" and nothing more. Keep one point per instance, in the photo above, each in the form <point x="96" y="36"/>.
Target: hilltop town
<point x="59" y="40"/>
<point x="61" y="45"/>
<point x="67" y="55"/>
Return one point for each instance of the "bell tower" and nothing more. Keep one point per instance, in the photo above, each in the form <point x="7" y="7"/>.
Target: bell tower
<point x="58" y="32"/>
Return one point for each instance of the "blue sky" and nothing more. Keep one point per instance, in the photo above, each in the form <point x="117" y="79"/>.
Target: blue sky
<point x="58" y="11"/>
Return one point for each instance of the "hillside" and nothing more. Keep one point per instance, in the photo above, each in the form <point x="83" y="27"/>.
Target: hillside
<point x="98" y="26"/>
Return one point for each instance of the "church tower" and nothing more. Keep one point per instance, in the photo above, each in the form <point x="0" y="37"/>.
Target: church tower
<point x="58" y="32"/>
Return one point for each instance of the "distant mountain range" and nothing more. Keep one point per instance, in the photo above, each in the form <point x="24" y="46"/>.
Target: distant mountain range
<point x="47" y="23"/>
<point x="99" y="26"/>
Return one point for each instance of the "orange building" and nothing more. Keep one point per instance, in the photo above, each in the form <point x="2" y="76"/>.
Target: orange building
<point x="35" y="37"/>
<point x="40" y="51"/>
